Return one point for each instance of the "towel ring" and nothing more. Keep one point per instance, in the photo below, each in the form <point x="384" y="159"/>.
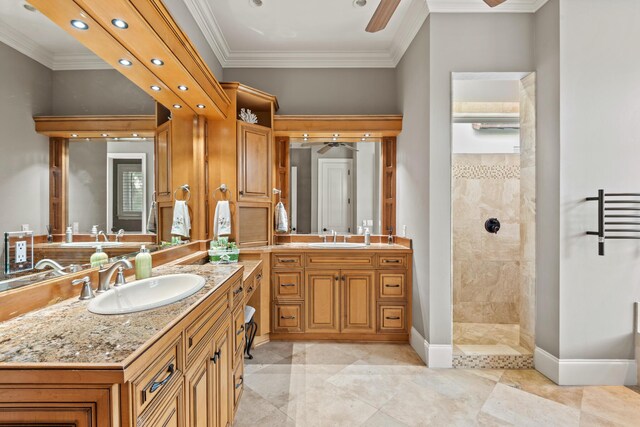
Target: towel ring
<point x="184" y="188"/>
<point x="223" y="189"/>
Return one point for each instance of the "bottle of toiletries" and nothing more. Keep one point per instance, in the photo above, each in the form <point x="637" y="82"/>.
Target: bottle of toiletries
<point x="68" y="236"/>
<point x="367" y="236"/>
<point x="99" y="258"/>
<point x="143" y="263"/>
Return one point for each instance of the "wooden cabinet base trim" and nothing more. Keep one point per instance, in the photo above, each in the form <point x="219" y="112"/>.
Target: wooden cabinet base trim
<point x="339" y="337"/>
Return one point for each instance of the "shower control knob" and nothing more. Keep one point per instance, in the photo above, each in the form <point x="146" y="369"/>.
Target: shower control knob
<point x="492" y="225"/>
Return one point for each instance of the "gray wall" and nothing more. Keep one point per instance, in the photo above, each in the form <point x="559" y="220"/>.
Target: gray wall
<point x="25" y="91"/>
<point x="183" y="17"/>
<point x="301" y="157"/>
<point x="98" y="92"/>
<point x="88" y="185"/>
<point x="547" y="58"/>
<point x="599" y="109"/>
<point x="324" y="91"/>
<point x="456" y="43"/>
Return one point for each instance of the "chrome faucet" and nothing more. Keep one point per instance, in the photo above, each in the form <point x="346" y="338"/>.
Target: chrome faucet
<point x="334" y="233"/>
<point x="58" y="269"/>
<point x="105" y="274"/>
<point x="101" y="233"/>
<point x="119" y="235"/>
<point x="87" y="292"/>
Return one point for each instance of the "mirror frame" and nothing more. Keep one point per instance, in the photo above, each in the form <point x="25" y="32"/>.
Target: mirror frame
<point x="383" y="128"/>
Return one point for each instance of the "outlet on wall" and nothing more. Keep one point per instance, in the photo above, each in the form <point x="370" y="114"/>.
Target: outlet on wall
<point x="21" y="251"/>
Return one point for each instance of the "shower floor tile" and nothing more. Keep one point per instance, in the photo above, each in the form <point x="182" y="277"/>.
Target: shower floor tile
<point x="486" y="334"/>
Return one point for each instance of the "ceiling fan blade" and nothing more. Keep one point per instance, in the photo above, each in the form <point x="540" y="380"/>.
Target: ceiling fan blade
<point x="311" y="144"/>
<point x="349" y="147"/>
<point x="494" y="3"/>
<point x="382" y="15"/>
<point x="324" y="149"/>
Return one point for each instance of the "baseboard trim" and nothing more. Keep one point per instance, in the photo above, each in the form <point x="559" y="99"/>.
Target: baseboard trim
<point x="582" y="372"/>
<point x="419" y="344"/>
<point x="439" y="355"/>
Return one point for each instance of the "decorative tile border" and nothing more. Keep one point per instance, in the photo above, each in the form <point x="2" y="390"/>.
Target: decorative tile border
<point x="475" y="171"/>
<point x="483" y="361"/>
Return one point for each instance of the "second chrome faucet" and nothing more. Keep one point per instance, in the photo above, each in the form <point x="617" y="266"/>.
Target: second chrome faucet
<point x="105" y="275"/>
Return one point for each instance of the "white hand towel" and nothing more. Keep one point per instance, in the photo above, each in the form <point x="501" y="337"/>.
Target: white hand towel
<point x="152" y="221"/>
<point x="282" y="221"/>
<point x="181" y="220"/>
<point x="222" y="219"/>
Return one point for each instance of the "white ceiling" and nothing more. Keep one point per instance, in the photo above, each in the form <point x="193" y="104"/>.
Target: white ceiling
<point x="280" y="34"/>
<point x="34" y="35"/>
<point x="320" y="33"/>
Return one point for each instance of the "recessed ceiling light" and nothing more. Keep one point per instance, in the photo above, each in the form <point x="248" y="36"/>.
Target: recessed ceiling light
<point x="183" y="87"/>
<point x="125" y="62"/>
<point x="255" y="3"/>
<point x="116" y="139"/>
<point x="105" y="135"/>
<point x="336" y="135"/>
<point x="305" y="135"/>
<point x="134" y="135"/>
<point x="76" y="23"/>
<point x="306" y="139"/>
<point x="158" y="62"/>
<point x="120" y="24"/>
<point x="74" y="135"/>
<point x="335" y="139"/>
<point x="200" y="106"/>
<point x="156" y="88"/>
<point x="359" y="3"/>
<point x="177" y="106"/>
<point x="29" y="7"/>
<point x="366" y="135"/>
<point x="364" y="139"/>
<point x="87" y="139"/>
<point x="144" y="139"/>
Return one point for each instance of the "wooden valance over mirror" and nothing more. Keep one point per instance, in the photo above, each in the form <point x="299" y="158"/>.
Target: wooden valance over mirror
<point x="338" y="144"/>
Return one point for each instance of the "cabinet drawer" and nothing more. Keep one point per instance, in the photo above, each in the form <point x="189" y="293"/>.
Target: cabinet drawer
<point x="287" y="285"/>
<point x="169" y="413"/>
<point x="238" y="384"/>
<point x="163" y="372"/>
<point x="287" y="260"/>
<point x="389" y="261"/>
<point x="249" y="287"/>
<point x="392" y="285"/>
<point x="288" y="317"/>
<point x="198" y="330"/>
<point x="341" y="261"/>
<point x="238" y="333"/>
<point x="392" y="318"/>
<point x="237" y="293"/>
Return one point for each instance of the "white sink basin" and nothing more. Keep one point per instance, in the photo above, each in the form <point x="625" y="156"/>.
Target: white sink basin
<point x="146" y="294"/>
<point x="91" y="244"/>
<point x="337" y="245"/>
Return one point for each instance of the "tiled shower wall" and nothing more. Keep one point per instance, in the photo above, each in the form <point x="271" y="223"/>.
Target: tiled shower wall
<point x="486" y="270"/>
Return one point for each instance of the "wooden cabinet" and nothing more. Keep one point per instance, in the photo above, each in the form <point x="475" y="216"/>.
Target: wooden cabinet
<point x="163" y="162"/>
<point x="222" y="372"/>
<point x="322" y="302"/>
<point x="358" y="302"/>
<point x="199" y="389"/>
<point x="287" y="317"/>
<point x="391" y="285"/>
<point x="254" y="162"/>
<point x="392" y="319"/>
<point x="288" y="285"/>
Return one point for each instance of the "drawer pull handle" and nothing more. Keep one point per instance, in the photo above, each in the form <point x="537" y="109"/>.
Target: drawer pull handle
<point x="344" y="278"/>
<point x="240" y="383"/>
<point x="250" y="289"/>
<point x="259" y="276"/>
<point x="157" y="384"/>
<point x="216" y="357"/>
<point x="288" y="261"/>
<point x="288" y="317"/>
<point x="391" y="261"/>
<point x="337" y="278"/>
<point x="392" y="286"/>
<point x="393" y="318"/>
<point x="237" y="291"/>
<point x="241" y="330"/>
<point x="287" y="285"/>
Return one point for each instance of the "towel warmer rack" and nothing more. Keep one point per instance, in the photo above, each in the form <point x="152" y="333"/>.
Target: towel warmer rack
<point x="223" y="189"/>
<point x="618" y="217"/>
<point x="185" y="189"/>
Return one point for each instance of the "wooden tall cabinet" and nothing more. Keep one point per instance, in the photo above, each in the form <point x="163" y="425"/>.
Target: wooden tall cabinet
<point x="240" y="155"/>
<point x="323" y="300"/>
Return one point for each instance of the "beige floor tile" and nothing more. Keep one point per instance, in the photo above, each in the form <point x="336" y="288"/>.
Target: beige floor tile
<point x="256" y="411"/>
<point x="525" y="409"/>
<point x="588" y="420"/>
<point x="534" y="382"/>
<point x="486" y="420"/>
<point x="498" y="349"/>
<point x="617" y="404"/>
<point x="374" y="389"/>
<point x="328" y="405"/>
<point x="380" y="419"/>
<point x="491" y="374"/>
<point x="280" y="389"/>
<point x="458" y="384"/>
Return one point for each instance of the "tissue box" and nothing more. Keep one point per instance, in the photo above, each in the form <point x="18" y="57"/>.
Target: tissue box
<point x="223" y="256"/>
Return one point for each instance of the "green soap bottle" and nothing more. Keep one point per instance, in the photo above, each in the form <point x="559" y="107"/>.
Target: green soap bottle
<point x="143" y="263"/>
<point x="99" y="258"/>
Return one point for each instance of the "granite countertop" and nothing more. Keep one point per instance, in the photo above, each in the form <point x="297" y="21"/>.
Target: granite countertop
<point x="305" y="246"/>
<point x="67" y="333"/>
<point x="249" y="267"/>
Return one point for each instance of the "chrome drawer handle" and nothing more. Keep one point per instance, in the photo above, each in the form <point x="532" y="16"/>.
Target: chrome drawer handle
<point x="392" y="286"/>
<point x="288" y="260"/>
<point x="391" y="261"/>
<point x="287" y="285"/>
<point x="259" y="276"/>
<point x="392" y="318"/>
<point x="157" y="384"/>
<point x="288" y="317"/>
<point x="240" y="383"/>
<point x="237" y="291"/>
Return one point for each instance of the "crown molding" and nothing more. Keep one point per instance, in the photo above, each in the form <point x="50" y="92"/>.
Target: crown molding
<point x="388" y="58"/>
<point x="79" y="61"/>
<point x="478" y="6"/>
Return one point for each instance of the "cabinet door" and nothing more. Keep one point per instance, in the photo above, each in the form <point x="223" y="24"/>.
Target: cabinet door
<point x="358" y="301"/>
<point x="199" y="388"/>
<point x="322" y="301"/>
<point x="254" y="162"/>
<point x="163" y="162"/>
<point x="222" y="373"/>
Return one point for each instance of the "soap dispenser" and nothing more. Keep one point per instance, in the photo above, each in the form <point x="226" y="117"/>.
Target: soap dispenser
<point x="367" y="236"/>
<point x="68" y="237"/>
<point x="143" y="263"/>
<point x="99" y="258"/>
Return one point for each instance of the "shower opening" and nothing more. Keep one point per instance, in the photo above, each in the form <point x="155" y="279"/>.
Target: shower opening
<point x="493" y="219"/>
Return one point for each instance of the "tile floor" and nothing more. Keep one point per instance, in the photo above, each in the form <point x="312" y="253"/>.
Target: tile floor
<point x="333" y="384"/>
<point x="489" y="345"/>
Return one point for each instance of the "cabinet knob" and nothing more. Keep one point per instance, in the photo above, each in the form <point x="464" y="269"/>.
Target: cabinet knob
<point x="216" y="357"/>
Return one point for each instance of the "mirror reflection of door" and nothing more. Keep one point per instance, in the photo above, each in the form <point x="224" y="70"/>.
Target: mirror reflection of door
<point x="335" y="188"/>
<point x="126" y="192"/>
